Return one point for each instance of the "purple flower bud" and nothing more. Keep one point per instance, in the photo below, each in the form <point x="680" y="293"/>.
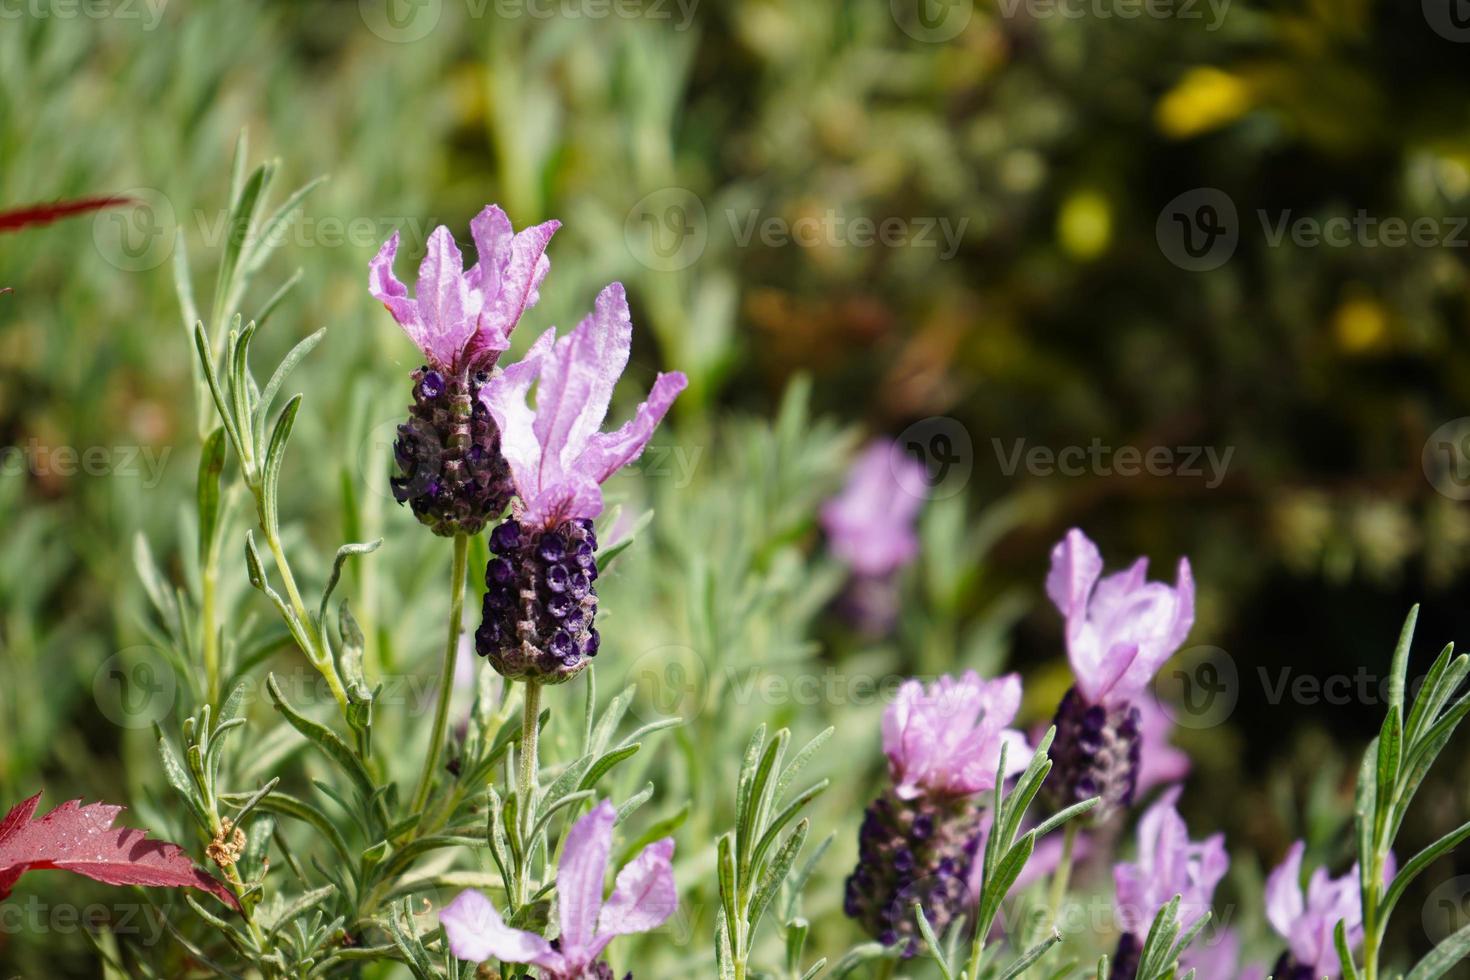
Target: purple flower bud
<point x="913" y="850"/>
<point x="452" y="473"/>
<point x="542" y="629"/>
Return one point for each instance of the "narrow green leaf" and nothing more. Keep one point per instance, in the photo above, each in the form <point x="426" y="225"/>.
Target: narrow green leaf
<point x="1344" y="952"/>
<point x="325" y="739"/>
<point x="211" y="465"/>
<point x="1439" y="960"/>
<point x="283" y="370"/>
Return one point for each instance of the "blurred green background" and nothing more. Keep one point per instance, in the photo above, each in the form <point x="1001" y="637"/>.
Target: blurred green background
<point x="1036" y="165"/>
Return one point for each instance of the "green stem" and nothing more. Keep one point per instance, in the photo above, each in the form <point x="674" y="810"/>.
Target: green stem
<point x="446" y="673"/>
<point x="526" y="783"/>
<point x="1063" y="873"/>
<point x="317" y="652"/>
<point x="209" y="583"/>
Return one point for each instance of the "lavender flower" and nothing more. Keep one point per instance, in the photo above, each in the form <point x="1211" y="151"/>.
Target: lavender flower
<point x="538" y="613"/>
<point x="1120" y="630"/>
<point x="870" y="528"/>
<point x="1306" y="921"/>
<point x="946" y="740"/>
<point x="918" y="840"/>
<point x="643" y="897"/>
<point x="1168" y="864"/>
<point x="448" y="451"/>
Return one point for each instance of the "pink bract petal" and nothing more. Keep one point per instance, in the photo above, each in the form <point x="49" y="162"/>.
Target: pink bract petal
<point x="386" y="289"/>
<point x="644" y="896"/>
<point x="443" y="299"/>
<point x="946" y="739"/>
<point x="607" y="452"/>
<point x="579" y="879"/>
<point x="477" y="933"/>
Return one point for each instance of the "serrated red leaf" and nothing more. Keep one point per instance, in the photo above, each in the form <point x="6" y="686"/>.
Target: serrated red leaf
<point x="44" y="214"/>
<point x="83" y="840"/>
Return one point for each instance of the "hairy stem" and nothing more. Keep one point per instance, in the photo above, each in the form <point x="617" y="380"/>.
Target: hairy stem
<point x="446" y="673"/>
<point x="526" y="783"/>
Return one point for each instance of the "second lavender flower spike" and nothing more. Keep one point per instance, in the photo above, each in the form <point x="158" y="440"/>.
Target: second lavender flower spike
<point x="538" y="613"/>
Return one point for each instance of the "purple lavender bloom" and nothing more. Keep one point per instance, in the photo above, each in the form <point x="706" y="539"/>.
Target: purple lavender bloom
<point x="448" y="452"/>
<point x="1217" y="957"/>
<point x="1307" y="921"/>
<point x="870" y="529"/>
<point x="919" y="839"/>
<point x="945" y="740"/>
<point x="643" y="897"/>
<point x="1120" y="630"/>
<point x="870" y="524"/>
<point x="1168" y="864"/>
<point x="463" y="320"/>
<point x="539" y="610"/>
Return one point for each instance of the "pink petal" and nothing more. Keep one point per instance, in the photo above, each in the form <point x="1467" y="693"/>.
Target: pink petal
<point x="644" y="896"/>
<point x="577" y="382"/>
<point x="579" y="878"/>
<point x="443" y="298"/>
<point x="477" y="933"/>
<point x="1075" y="565"/>
<point x="386" y="289"/>
<point x="505" y="399"/>
<point x="508" y="276"/>
<point x="607" y="452"/>
<point x="1284" y="903"/>
<point x="1099" y="681"/>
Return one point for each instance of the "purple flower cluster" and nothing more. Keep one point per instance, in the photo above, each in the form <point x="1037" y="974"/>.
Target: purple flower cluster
<point x="918" y="841"/>
<point x="1120" y="630"/>
<point x="870" y="529"/>
<point x="472" y="446"/>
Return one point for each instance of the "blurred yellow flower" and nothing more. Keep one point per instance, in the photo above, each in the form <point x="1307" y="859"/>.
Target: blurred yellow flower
<point x="1085" y="224"/>
<point x="1360" y="323"/>
<point x="1204" y="99"/>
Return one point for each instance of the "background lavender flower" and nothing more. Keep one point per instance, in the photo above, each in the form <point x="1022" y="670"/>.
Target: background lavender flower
<point x="1159" y="762"/>
<point x="918" y="840"/>
<point x="539" y="610"/>
<point x="643" y="898"/>
<point x="870" y="528"/>
<point x="1168" y="864"/>
<point x="1306" y="920"/>
<point x="448" y="452"/>
<point x="1119" y="631"/>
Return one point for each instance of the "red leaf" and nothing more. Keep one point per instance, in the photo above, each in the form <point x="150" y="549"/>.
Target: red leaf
<point x="82" y="839"/>
<point x="44" y="214"/>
